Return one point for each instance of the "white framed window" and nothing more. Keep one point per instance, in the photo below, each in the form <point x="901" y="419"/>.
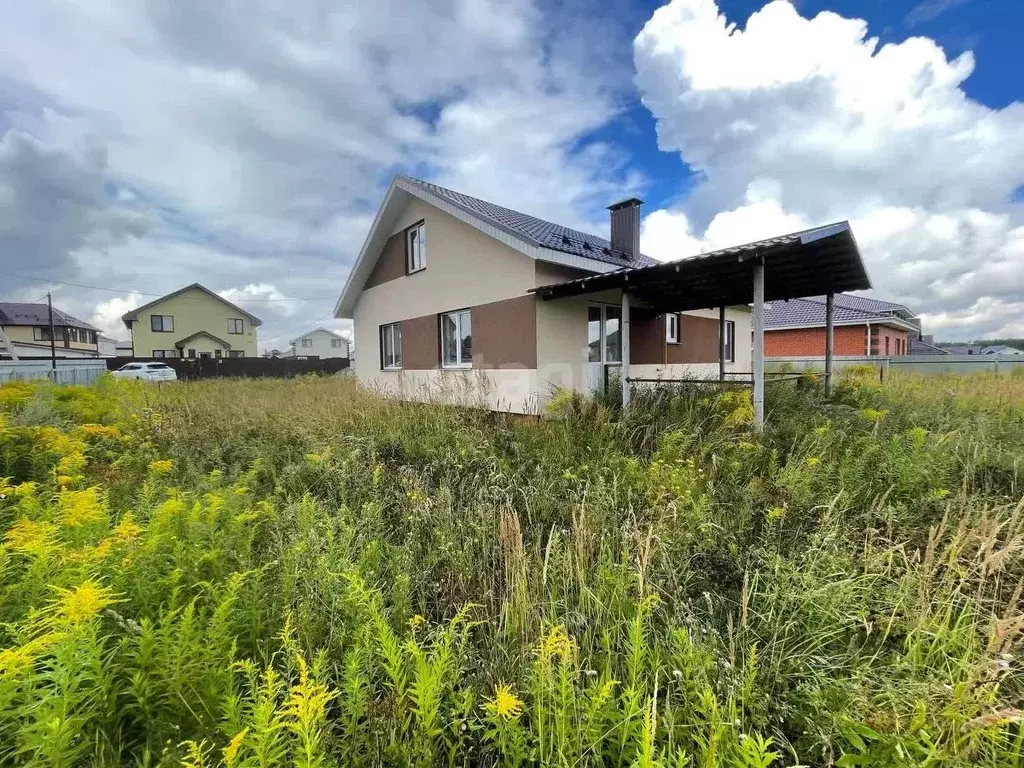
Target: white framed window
<point x="161" y="323"/>
<point x="335" y="343"/>
<point x="236" y="325"/>
<point x="672" y="328"/>
<point x="307" y="343"/>
<point x="730" y="341"/>
<point x="236" y="353"/>
<point x="416" y="248"/>
<point x="164" y="353"/>
<point x="457" y="339"/>
<point x="391" y="346"/>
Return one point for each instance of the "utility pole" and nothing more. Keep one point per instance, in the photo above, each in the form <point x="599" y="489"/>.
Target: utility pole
<point x="53" y="338"/>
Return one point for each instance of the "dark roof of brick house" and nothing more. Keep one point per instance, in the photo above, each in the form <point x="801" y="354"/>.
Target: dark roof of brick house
<point x="849" y="310"/>
<point x="542" y="233"/>
<point x="22" y="313"/>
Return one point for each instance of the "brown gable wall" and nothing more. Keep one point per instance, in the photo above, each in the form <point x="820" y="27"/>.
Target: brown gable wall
<point x="391" y="264"/>
<point x="421" y="342"/>
<point x="505" y="334"/>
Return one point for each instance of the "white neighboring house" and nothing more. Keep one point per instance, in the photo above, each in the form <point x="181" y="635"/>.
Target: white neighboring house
<point x="320" y="343"/>
<point x="107" y="346"/>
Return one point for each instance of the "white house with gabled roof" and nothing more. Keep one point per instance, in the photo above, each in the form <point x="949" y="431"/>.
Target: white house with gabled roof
<point x="320" y="343"/>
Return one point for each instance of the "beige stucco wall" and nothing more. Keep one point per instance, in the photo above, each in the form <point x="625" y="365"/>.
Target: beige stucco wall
<point x="465" y="268"/>
<point x="193" y="311"/>
<point x="23" y="334"/>
<point x="497" y="389"/>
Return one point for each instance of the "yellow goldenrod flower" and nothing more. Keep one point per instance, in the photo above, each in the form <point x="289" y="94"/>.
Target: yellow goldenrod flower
<point x="30" y="536"/>
<point x="556" y="645"/>
<point x="231" y="750"/>
<point x="99" y="431"/>
<point x="26" y="489"/>
<point x="83" y="603"/>
<point x="126" y="530"/>
<point x="81" y="507"/>
<point x="776" y="513"/>
<point x="813" y="461"/>
<point x="71" y="464"/>
<point x="161" y="466"/>
<point x="13" y="661"/>
<point x="505" y="704"/>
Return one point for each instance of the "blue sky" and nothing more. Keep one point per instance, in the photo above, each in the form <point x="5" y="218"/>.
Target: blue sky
<point x="146" y="145"/>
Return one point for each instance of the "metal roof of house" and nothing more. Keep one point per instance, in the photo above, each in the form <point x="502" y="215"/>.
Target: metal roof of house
<point x="849" y="310"/>
<point x="542" y="233"/>
<point x="808" y="263"/>
<point x="920" y="347"/>
<point x="865" y="303"/>
<point x="20" y="313"/>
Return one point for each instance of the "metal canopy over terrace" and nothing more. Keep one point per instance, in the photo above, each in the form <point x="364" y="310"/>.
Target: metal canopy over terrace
<point x="824" y="260"/>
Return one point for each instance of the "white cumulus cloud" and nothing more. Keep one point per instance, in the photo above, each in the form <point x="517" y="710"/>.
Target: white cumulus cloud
<point x="796" y="121"/>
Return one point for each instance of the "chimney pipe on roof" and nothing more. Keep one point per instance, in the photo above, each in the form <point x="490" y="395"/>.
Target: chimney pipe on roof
<point x="625" y="222"/>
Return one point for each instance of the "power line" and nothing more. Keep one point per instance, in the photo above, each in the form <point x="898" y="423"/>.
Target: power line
<point x="155" y="295"/>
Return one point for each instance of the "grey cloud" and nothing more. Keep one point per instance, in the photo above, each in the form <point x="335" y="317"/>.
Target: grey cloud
<point x="264" y="134"/>
<point x="52" y="203"/>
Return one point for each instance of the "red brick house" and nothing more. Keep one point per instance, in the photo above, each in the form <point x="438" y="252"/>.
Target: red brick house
<point x="863" y="326"/>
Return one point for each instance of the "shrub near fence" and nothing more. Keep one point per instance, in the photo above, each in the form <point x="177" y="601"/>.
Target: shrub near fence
<point x="248" y="367"/>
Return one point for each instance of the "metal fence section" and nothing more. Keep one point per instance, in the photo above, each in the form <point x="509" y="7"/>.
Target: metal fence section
<point x="926" y="364"/>
<point x="85" y="371"/>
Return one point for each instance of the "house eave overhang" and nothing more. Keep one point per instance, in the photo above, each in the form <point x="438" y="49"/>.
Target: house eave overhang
<point x="813" y="262"/>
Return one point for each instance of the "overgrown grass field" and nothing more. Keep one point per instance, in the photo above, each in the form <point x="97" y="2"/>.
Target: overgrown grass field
<point x="278" y="573"/>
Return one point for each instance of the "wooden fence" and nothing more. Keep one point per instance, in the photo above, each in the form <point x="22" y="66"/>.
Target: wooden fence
<point x="252" y="367"/>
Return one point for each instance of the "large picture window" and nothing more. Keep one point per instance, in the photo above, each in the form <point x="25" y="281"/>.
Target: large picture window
<point x="457" y="339"/>
<point x="391" y="346"/>
<point x="730" y="341"/>
<point x="416" y="248"/>
<point x="161" y="323"/>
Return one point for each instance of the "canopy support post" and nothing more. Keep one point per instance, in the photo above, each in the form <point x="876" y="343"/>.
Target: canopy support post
<point x="758" y="322"/>
<point x="830" y="305"/>
<point x="624" y="334"/>
<point x="721" y="343"/>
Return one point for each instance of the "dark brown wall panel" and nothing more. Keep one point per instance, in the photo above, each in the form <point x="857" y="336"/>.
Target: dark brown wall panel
<point x="646" y="338"/>
<point x="420" y="343"/>
<point x="698" y="341"/>
<point x="391" y="264"/>
<point x="505" y="334"/>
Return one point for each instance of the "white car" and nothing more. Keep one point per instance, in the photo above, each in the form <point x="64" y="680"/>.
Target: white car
<point x="146" y="372"/>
